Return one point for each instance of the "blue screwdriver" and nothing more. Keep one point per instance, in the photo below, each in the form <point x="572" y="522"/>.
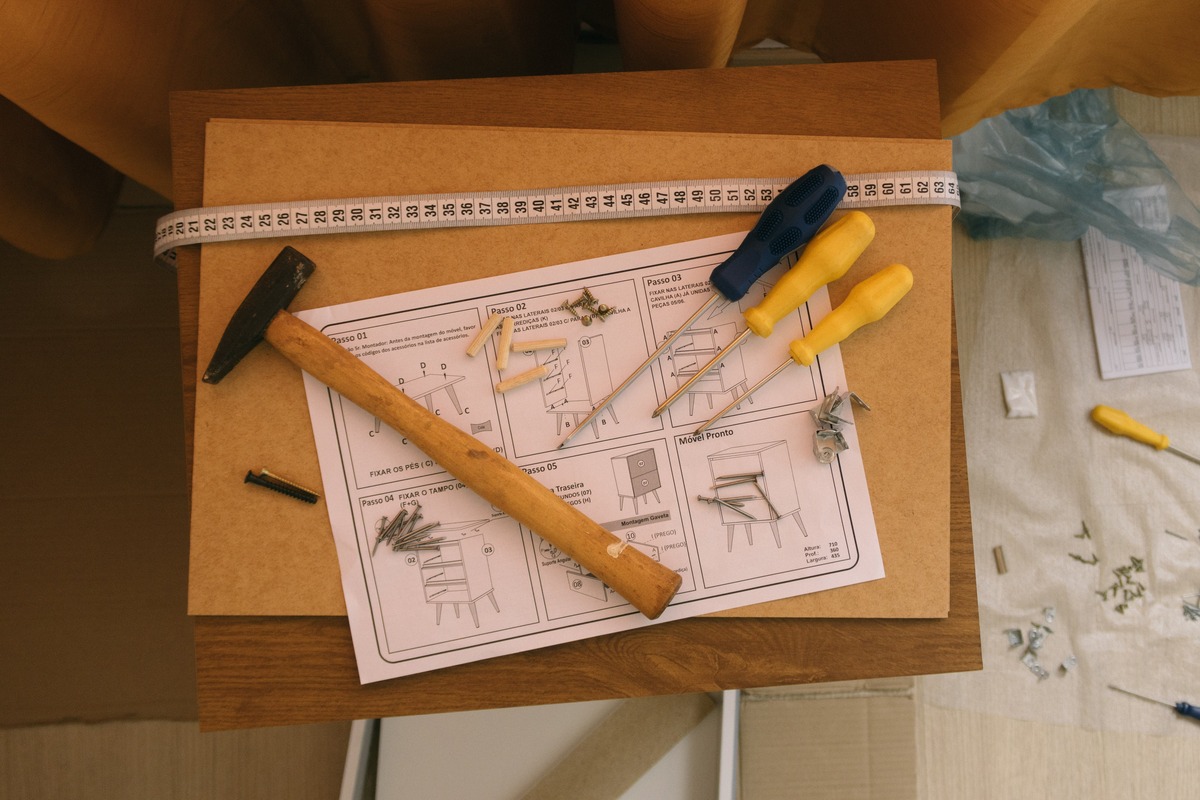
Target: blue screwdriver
<point x="1182" y="708"/>
<point x="786" y="224"/>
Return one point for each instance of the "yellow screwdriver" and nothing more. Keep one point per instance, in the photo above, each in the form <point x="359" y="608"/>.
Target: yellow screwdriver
<point x="866" y="303"/>
<point x="1122" y="424"/>
<point x="787" y="223"/>
<point x="826" y="258"/>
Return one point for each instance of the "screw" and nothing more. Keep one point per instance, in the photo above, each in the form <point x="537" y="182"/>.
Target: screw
<point x="277" y="484"/>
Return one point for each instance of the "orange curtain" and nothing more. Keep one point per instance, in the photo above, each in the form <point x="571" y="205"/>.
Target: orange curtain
<point x="84" y="86"/>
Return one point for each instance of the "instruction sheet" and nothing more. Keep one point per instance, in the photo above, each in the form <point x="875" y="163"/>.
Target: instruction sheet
<point x="745" y="512"/>
<point x="1137" y="313"/>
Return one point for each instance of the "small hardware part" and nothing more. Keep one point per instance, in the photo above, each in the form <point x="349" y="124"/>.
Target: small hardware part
<point x="750" y="478"/>
<point x="504" y="347"/>
<point x="1020" y="394"/>
<point x="1029" y="659"/>
<point x="1035" y="642"/>
<point x="1191" y="608"/>
<point x="528" y="376"/>
<point x="828" y="439"/>
<point x="1085" y="534"/>
<point x="485" y="333"/>
<point x="1126" y="588"/>
<point x="281" y="485"/>
<point x="1001" y="564"/>
<point x="587" y="308"/>
<point x="480" y="427"/>
<point x="1170" y="532"/>
<point x="731" y="504"/>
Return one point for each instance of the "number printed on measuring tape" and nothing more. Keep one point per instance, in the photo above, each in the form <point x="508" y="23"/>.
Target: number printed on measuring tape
<point x="525" y="206"/>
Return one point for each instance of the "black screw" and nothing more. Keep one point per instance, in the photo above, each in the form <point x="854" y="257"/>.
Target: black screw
<point x="275" y="484"/>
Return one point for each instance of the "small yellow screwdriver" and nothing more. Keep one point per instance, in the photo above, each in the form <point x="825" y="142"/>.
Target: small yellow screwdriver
<point x="867" y="302"/>
<point x="827" y="257"/>
<point x="1122" y="424"/>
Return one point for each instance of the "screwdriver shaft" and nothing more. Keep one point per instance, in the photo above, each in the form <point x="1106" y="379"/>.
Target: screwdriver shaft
<point x="738" y="400"/>
<point x="701" y="372"/>
<point x="1182" y="454"/>
<point x="713" y="299"/>
<point x="1139" y="696"/>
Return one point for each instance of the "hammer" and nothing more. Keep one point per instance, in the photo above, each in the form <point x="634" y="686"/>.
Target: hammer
<point x="645" y="583"/>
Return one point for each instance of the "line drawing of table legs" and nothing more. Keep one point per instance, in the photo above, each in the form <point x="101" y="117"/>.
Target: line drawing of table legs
<point x="774" y="523"/>
<point x="470" y="604"/>
<point x="735" y="391"/>
<point x="577" y="415"/>
<point x="449" y="392"/>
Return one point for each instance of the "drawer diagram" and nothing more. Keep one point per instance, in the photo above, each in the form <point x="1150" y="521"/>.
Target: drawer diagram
<point x="637" y="475"/>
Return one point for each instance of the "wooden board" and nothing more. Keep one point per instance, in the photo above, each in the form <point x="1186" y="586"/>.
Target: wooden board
<point x="253" y="554"/>
<point x="280" y="670"/>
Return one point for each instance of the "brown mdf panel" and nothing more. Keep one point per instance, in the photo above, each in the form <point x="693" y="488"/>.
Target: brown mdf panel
<point x="255" y="671"/>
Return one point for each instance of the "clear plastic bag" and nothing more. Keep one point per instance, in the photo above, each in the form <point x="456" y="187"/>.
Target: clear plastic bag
<point x="1051" y="171"/>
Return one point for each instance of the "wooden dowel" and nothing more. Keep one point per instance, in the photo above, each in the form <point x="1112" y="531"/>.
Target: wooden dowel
<point x="535" y="374"/>
<point x="484" y="334"/>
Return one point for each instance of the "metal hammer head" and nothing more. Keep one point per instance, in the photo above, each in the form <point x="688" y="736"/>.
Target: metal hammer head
<point x="274" y="290"/>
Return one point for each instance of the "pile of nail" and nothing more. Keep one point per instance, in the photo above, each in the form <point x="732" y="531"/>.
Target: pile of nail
<point x="828" y="439"/>
<point x="736" y="503"/>
<point x="402" y="533"/>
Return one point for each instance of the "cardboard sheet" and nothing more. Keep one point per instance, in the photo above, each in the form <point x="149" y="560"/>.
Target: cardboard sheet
<point x="258" y="553"/>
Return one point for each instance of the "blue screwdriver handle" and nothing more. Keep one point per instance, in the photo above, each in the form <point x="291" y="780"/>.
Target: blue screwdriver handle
<point x="1187" y="710"/>
<point x="786" y="224"/>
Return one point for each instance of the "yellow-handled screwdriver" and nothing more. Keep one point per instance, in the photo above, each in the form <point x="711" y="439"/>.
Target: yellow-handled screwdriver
<point x="1122" y="424"/>
<point x="786" y="224"/>
<point x="827" y="257"/>
<point x="867" y="302"/>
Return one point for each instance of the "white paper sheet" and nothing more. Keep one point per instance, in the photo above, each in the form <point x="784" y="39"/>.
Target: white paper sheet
<point x="494" y="588"/>
<point x="1137" y="313"/>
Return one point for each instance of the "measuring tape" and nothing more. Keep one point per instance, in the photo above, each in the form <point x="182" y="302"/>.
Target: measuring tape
<point x="527" y="206"/>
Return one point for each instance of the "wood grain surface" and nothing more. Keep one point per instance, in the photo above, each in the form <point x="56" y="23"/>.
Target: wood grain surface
<point x="255" y="671"/>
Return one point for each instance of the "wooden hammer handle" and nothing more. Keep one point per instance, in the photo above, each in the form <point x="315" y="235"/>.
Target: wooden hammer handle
<point x="641" y="580"/>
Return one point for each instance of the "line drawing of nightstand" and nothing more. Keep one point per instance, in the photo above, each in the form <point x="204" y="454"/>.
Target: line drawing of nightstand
<point x="637" y="475"/>
<point x="694" y="349"/>
<point x="759" y="477"/>
<point x="457" y="573"/>
<point x="573" y="392"/>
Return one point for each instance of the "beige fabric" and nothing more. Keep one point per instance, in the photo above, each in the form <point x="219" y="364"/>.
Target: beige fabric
<point x="97" y="75"/>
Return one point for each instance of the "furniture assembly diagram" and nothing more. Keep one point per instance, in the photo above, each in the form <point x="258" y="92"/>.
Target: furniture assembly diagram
<point x="694" y="349"/>
<point x="637" y="475"/>
<point x="457" y="573"/>
<point x="572" y="389"/>
<point x="424" y="387"/>
<point x="753" y="484"/>
<point x="510" y="593"/>
<point x="583" y="582"/>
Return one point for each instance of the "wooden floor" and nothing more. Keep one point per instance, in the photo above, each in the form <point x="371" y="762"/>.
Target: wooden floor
<point x="963" y="753"/>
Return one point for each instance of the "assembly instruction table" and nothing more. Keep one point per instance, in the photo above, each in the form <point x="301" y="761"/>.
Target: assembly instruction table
<point x="279" y="670"/>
